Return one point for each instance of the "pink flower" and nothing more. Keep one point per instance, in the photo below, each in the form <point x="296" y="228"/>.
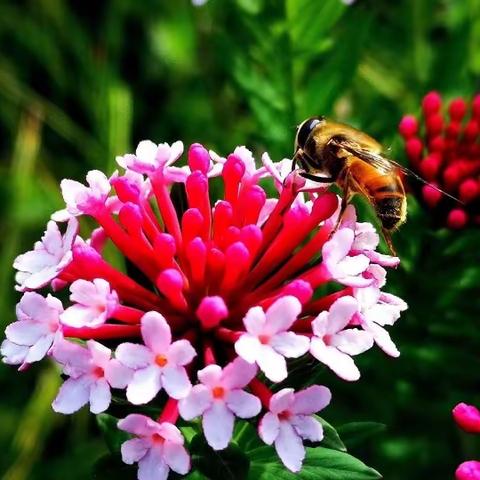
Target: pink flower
<point x="150" y="158"/>
<point x="219" y="398"/>
<point x="468" y="471"/>
<point x="376" y="310"/>
<point x="333" y="344"/>
<point x="467" y="417"/>
<point x="158" y="447"/>
<point x="157" y="364"/>
<point x="30" y="338"/>
<point x="268" y="341"/>
<point x="94" y="303"/>
<point x="48" y="258"/>
<point x="340" y="265"/>
<point x="92" y="372"/>
<point x="232" y="281"/>
<point x="290" y="421"/>
<point x="82" y="200"/>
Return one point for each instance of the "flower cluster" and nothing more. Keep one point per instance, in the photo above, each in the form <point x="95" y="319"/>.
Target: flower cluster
<point x="467" y="418"/>
<point x="448" y="156"/>
<point x="215" y="294"/>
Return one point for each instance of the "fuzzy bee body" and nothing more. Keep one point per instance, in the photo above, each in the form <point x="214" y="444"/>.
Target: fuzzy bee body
<point x="331" y="152"/>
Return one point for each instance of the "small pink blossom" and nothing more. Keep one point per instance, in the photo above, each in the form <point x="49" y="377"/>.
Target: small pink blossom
<point x="468" y="471"/>
<point x="290" y="420"/>
<point x="95" y="301"/>
<point x="333" y="344"/>
<point x="92" y="373"/>
<point x="219" y="398"/>
<point x="376" y="310"/>
<point x="338" y="262"/>
<point x="81" y="199"/>
<point x="150" y="157"/>
<point x="158" y="447"/>
<point x="467" y="417"/>
<point x="30" y="338"/>
<point x="157" y="364"/>
<point x="268" y="341"/>
<point x="48" y="259"/>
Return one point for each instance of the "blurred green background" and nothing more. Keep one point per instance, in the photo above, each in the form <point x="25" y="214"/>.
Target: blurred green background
<point x="81" y="82"/>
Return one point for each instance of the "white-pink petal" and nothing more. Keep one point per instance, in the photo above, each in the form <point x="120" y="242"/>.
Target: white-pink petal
<point x="100" y="396"/>
<point x="282" y="400"/>
<point x="243" y="404"/>
<point x="197" y="401"/>
<point x="217" y="424"/>
<point x="152" y="466"/>
<point x="175" y="381"/>
<point x="353" y="341"/>
<point x="73" y="395"/>
<point x="281" y="314"/>
<point x="134" y="355"/>
<point x="272" y="364"/>
<point x="181" y="352"/>
<point x="307" y="427"/>
<point x="311" y="400"/>
<point x="269" y="428"/>
<point x="211" y="375"/>
<point x="255" y="321"/>
<point x="176" y="457"/>
<point x="145" y="385"/>
<point x="117" y="374"/>
<point x="133" y="450"/>
<point x="248" y="347"/>
<point x="290" y="344"/>
<point x="289" y="447"/>
<point x="238" y="374"/>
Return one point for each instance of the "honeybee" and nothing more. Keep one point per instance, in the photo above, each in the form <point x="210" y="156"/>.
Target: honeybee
<point x="331" y="152"/>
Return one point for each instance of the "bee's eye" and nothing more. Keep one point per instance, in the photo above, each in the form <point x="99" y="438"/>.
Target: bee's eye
<point x="304" y="130"/>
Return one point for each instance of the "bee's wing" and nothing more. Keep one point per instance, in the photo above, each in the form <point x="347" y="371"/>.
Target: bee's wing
<point x="386" y="164"/>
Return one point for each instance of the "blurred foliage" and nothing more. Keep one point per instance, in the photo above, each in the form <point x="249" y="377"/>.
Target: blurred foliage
<point x="81" y="82"/>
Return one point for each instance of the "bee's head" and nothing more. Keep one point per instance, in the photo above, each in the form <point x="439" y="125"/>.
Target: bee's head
<point x="305" y="129"/>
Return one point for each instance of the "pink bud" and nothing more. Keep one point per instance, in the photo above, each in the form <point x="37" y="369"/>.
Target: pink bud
<point x="457" y="109"/>
<point x="300" y="289"/>
<point x="457" y="218"/>
<point x="414" y="148"/>
<point x="198" y="158"/>
<point x="131" y="217"/>
<point x="211" y="311"/>
<point x="471" y="130"/>
<point x="408" y="126"/>
<point x="431" y="103"/>
<point x="454" y="128"/>
<point x="467" y="417"/>
<point x="434" y="124"/>
<point x="436" y="144"/>
<point x="451" y="176"/>
<point x="192" y="224"/>
<point x="468" y="471"/>
<point x="429" y="166"/>
<point x="468" y="190"/>
<point x="476" y="106"/>
<point x="431" y="195"/>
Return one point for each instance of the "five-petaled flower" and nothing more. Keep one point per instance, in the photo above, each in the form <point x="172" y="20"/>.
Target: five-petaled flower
<point x="290" y="420"/>
<point x="214" y="289"/>
<point x="219" y="397"/>
<point x="158" y="447"/>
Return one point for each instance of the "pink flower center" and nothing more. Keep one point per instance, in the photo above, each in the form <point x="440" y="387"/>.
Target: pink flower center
<point x="218" y="392"/>
<point x="53" y="327"/>
<point x="161" y="360"/>
<point x="327" y="339"/>
<point x="264" y="339"/>
<point x="157" y="439"/>
<point x="285" y="415"/>
<point x="99" y="372"/>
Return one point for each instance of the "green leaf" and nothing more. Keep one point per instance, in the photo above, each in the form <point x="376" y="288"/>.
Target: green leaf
<point x="355" y="433"/>
<point x="320" y="464"/>
<point x="331" y="438"/>
<point x="113" y="436"/>
<point x="228" y="464"/>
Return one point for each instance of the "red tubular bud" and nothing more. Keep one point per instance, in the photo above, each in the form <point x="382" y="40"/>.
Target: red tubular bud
<point x="408" y="127"/>
<point x="429" y="166"/>
<point x="476" y="107"/>
<point x="457" y="218"/>
<point x="436" y="144"/>
<point x="414" y="148"/>
<point x="457" y="109"/>
<point x="434" y="124"/>
<point x="431" y="103"/>
<point x="468" y="190"/>
<point x="431" y="195"/>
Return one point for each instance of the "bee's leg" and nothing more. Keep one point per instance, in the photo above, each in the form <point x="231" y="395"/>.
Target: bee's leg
<point x="388" y="239"/>
<point x="317" y="179"/>
<point x="346" y="197"/>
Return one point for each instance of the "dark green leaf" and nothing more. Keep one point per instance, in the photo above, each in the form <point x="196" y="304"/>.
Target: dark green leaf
<point x="111" y="467"/>
<point x="331" y="438"/>
<point x="355" y="433"/>
<point x="113" y="436"/>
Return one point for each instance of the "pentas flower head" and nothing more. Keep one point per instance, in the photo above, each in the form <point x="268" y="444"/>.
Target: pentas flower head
<point x="445" y="152"/>
<point x="223" y="290"/>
